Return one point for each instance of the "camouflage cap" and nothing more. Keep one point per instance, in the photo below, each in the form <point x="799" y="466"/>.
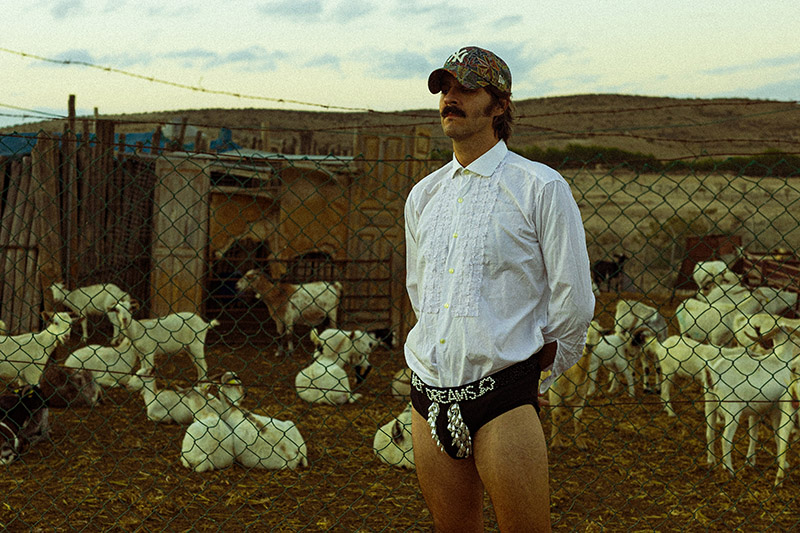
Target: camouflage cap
<point x="473" y="67"/>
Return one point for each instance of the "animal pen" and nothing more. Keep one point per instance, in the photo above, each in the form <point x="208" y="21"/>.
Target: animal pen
<point x="178" y="229"/>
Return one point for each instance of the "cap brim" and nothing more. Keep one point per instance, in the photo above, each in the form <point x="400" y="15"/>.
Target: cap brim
<point x="435" y="80"/>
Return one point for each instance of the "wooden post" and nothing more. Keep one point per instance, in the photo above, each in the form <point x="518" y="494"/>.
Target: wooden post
<point x="182" y="134"/>
<point x="71" y="112"/>
<point x="155" y="143"/>
<point x="44" y="173"/>
<point x="265" y="136"/>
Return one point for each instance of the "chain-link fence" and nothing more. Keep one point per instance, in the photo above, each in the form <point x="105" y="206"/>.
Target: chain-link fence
<point x="216" y="255"/>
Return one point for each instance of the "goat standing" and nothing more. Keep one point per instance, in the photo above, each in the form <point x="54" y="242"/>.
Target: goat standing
<point x="609" y="271"/>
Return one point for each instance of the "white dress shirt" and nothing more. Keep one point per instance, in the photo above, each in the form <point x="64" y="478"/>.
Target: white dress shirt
<point x="497" y="266"/>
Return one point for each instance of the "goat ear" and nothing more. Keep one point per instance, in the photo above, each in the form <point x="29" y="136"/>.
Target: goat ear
<point x="135" y="304"/>
<point x="47" y="315"/>
<point x="397" y="431"/>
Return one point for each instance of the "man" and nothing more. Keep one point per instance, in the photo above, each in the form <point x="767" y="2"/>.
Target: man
<point x="498" y="276"/>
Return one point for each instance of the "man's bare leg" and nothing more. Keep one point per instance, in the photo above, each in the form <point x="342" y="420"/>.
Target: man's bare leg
<point x="511" y="459"/>
<point x="452" y="488"/>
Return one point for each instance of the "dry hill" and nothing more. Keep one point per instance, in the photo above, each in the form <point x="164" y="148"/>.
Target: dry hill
<point x="667" y="128"/>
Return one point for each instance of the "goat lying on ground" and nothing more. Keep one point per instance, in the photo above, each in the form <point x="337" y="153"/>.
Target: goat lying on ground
<point x="93" y="300"/>
<point x="289" y="304"/>
<point x="609" y="271"/>
<point x="183" y="405"/>
<point x="110" y="366"/>
<point x="24" y="420"/>
<point x="68" y="387"/>
<point x="207" y="444"/>
<point x="325" y="380"/>
<point x="350" y="348"/>
<point x="263" y="442"/>
<point x="392" y="443"/>
<point x="23" y="357"/>
<point x="166" y="335"/>
<point x="386" y="337"/>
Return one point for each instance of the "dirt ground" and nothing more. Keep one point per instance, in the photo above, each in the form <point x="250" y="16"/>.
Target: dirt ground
<point x="110" y="468"/>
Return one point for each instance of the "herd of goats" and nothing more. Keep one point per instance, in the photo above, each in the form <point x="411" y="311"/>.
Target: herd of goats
<point x="738" y="343"/>
<point x="735" y="341"/>
<point x="219" y="431"/>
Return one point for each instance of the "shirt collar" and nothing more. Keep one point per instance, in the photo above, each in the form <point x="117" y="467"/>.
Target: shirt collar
<point x="486" y="164"/>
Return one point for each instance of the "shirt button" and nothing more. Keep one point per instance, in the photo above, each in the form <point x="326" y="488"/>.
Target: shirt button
<point x="461" y="200"/>
<point x="455" y="235"/>
<point x="451" y="270"/>
<point x="441" y="341"/>
<point x="447" y="306"/>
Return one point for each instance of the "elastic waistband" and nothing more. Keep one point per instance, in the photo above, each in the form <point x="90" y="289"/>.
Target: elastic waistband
<point x="476" y="389"/>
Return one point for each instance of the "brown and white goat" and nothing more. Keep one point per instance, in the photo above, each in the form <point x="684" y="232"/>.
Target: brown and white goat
<point x="290" y="304"/>
<point x="24" y="420"/>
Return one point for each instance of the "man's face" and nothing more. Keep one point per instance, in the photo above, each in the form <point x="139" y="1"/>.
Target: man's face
<point x="466" y="113"/>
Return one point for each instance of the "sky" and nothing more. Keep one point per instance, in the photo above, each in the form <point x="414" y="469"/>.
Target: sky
<point x="123" y="56"/>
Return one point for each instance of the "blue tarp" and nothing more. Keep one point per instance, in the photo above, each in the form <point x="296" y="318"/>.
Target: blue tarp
<point x="20" y="144"/>
<point x="17" y="144"/>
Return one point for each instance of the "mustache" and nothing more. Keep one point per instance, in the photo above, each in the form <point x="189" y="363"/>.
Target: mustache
<point x="452" y="110"/>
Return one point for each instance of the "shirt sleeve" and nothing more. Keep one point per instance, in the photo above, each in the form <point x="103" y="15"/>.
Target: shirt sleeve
<point x="412" y="277"/>
<point x="571" y="305"/>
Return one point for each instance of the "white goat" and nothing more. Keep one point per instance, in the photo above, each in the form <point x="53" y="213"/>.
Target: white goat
<point x="23" y="357"/>
<point x="679" y="356"/>
<point x="349" y="348"/>
<point x="748" y="385"/>
<point x="789" y="424"/>
<point x="401" y="383"/>
<point x="775" y="301"/>
<point x="709" y="273"/>
<point x="392" y="443"/>
<point x="110" y="366"/>
<point x="165" y="335"/>
<point x="92" y="300"/>
<point x="325" y="380"/>
<point x="263" y="442"/>
<point x="707" y="322"/>
<point x="183" y="405"/>
<point x="208" y="444"/>
<point x="629" y="318"/>
<point x="289" y="304"/>
<point x="613" y="352"/>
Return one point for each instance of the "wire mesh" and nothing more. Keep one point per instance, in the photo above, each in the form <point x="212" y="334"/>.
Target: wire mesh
<point x="193" y="365"/>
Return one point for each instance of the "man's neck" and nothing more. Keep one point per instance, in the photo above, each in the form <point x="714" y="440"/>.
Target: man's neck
<point x="468" y="150"/>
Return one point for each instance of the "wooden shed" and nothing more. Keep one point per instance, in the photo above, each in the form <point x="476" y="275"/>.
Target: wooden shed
<point x="298" y="218"/>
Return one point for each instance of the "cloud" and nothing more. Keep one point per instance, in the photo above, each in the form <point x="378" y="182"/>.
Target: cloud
<point x="352" y="10"/>
<point x="66" y="8"/>
<point x="76" y="55"/>
<point x="767" y="62"/>
<point x="401" y="65"/>
<point x="325" y="61"/>
<point x="294" y="9"/>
